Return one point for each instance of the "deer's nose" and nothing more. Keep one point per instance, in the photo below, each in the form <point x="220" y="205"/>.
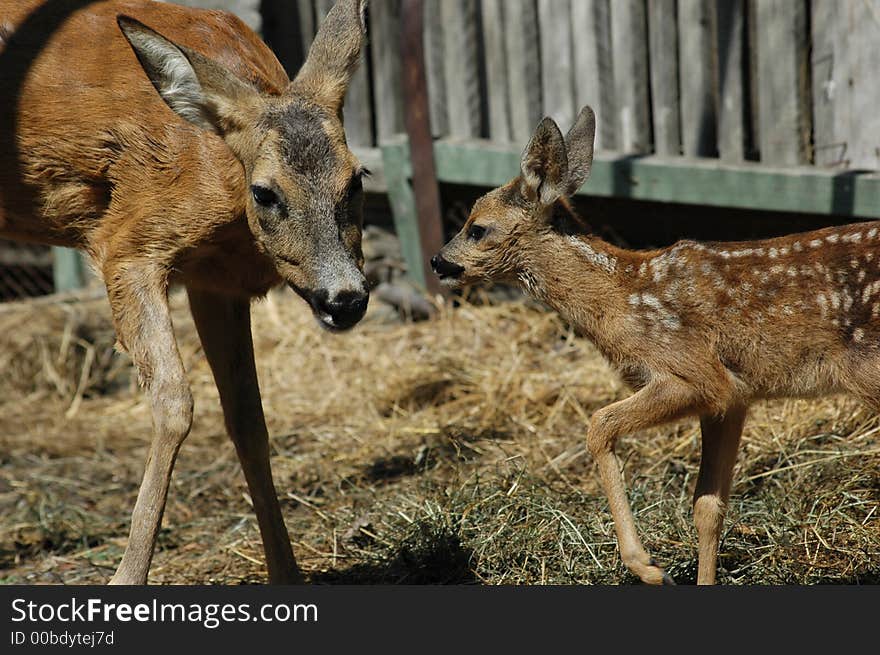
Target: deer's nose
<point x="346" y="308"/>
<point x="445" y="268"/>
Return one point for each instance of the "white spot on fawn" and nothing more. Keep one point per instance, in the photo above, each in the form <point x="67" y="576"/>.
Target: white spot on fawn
<point x="859" y="335"/>
<point x="872" y="233"/>
<point x="797" y="247"/>
<point x="832" y="238"/>
<point x="603" y="260"/>
<point x="816" y="243"/>
<point x="870" y="291"/>
<point x="855" y="237"/>
<point x="658" y="310"/>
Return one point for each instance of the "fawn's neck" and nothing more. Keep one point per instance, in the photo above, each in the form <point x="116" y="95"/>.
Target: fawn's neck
<point x="582" y="278"/>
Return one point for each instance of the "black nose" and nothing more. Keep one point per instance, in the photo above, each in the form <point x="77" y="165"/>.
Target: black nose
<point x="346" y="308"/>
<point x="445" y="269"/>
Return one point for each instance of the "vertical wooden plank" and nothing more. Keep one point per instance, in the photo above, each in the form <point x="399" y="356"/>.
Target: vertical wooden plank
<point x="593" y="69"/>
<point x="386" y="69"/>
<point x="288" y="29"/>
<point x="358" y="111"/>
<point x="434" y="67"/>
<point x="732" y="96"/>
<point x="697" y="78"/>
<point x="460" y="48"/>
<point x="629" y="42"/>
<point x="845" y="92"/>
<point x="524" y="67"/>
<point x="308" y="22"/>
<point x="496" y="70"/>
<point x="783" y="82"/>
<point x="247" y="10"/>
<point x="663" y="39"/>
<point x="557" y="57"/>
<point x="418" y="128"/>
<point x="753" y="141"/>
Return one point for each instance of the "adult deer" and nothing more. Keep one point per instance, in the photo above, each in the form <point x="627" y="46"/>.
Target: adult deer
<point x="696" y="329"/>
<point x="185" y="155"/>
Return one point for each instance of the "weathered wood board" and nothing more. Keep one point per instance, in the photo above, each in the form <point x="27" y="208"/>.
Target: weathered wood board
<point x="846" y="93"/>
<point x="666" y="112"/>
<point x="629" y="42"/>
<point x="783" y="82"/>
<point x="593" y="68"/>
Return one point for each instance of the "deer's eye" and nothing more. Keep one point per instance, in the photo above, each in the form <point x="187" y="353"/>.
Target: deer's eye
<point x="264" y="197"/>
<point x="357" y="185"/>
<point x="476" y="232"/>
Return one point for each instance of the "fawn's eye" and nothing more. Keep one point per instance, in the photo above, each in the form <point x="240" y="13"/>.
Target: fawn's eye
<point x="264" y="197"/>
<point x="476" y="232"/>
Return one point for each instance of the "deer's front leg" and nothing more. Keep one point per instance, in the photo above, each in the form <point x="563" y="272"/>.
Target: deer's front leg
<point x="658" y="403"/>
<point x="139" y="303"/>
<point x="721" y="437"/>
<point x="224" y="326"/>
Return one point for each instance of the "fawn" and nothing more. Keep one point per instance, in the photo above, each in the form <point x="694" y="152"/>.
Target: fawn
<point x="695" y="329"/>
<point x="186" y="157"/>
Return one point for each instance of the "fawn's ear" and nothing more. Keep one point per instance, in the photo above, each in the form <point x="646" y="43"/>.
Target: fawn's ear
<point x="199" y="90"/>
<point x="334" y="55"/>
<point x="545" y="163"/>
<point x="579" y="147"/>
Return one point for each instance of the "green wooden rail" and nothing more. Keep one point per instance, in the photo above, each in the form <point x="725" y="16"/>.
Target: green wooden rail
<point x="707" y="182"/>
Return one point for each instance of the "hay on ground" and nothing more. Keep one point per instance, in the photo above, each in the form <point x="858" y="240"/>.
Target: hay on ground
<point x="449" y="451"/>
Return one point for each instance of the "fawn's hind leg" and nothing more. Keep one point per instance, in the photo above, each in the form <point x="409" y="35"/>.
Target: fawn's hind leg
<point x="721" y="437"/>
<point x="658" y="403"/>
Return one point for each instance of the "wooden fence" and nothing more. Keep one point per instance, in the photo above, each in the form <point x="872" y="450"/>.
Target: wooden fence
<point x="783" y="82"/>
<point x="764" y="104"/>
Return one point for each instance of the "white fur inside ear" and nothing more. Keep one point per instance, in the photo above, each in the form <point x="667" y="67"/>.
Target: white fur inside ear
<point x="173" y="76"/>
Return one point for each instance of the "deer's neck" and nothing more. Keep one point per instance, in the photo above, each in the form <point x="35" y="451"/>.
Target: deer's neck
<point x="582" y="278"/>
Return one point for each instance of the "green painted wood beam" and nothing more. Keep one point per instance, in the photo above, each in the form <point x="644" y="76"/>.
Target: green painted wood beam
<point x="708" y="182"/>
<point x="398" y="173"/>
<point x="68" y="270"/>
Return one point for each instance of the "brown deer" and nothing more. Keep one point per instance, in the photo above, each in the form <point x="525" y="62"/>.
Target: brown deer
<point x="185" y="157"/>
<point x="696" y="329"/>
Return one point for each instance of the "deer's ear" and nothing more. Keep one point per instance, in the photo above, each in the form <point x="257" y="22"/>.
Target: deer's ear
<point x="545" y="163"/>
<point x="579" y="148"/>
<point x="196" y="88"/>
<point x="334" y="55"/>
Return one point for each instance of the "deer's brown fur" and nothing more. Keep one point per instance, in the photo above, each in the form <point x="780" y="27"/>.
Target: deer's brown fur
<point x="696" y="329"/>
<point x="169" y="144"/>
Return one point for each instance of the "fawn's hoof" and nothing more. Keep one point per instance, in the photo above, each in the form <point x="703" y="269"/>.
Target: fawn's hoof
<point x="664" y="578"/>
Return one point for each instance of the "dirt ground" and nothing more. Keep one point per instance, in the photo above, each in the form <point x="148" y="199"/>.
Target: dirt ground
<point x="449" y="451"/>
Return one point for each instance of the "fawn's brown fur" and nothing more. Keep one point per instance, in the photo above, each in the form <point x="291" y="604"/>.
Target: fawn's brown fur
<point x="185" y="157"/>
<point x="695" y="329"/>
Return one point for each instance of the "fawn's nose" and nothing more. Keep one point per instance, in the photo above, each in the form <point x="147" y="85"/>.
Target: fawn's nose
<point x="345" y="309"/>
<point x="445" y="268"/>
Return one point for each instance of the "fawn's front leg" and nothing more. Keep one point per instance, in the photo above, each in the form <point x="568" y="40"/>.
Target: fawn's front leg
<point x="659" y="402"/>
<point x="139" y="302"/>
<point x="224" y="326"/>
<point x="721" y="437"/>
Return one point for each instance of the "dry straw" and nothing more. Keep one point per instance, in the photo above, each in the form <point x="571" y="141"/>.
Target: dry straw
<point x="449" y="451"/>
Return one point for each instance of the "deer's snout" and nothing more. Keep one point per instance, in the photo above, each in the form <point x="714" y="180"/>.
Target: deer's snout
<point x="445" y="268"/>
<point x="343" y="310"/>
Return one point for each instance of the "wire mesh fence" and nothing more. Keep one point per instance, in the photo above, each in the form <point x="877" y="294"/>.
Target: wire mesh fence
<point x="25" y="271"/>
